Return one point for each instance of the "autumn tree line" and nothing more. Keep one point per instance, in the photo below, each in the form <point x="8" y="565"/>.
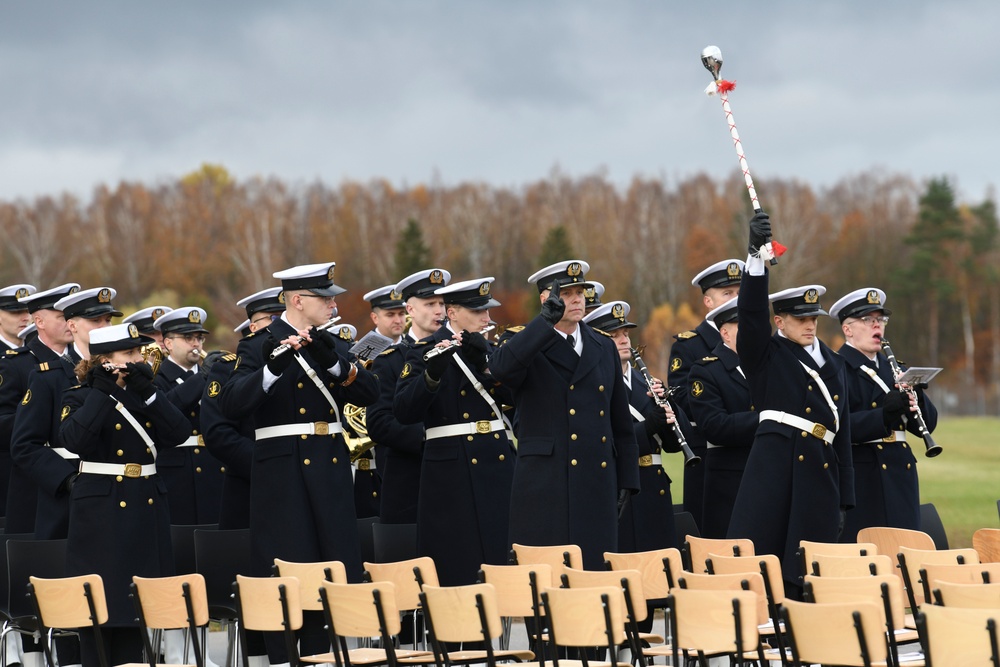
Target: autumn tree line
<point x="208" y="240"/>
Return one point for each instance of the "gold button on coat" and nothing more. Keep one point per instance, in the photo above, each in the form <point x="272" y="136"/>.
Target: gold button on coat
<point x="572" y="437"/>
<point x="307" y="462"/>
<point x="573" y="462"/>
<point x="801" y="458"/>
<point x="118" y="427"/>
<point x="121" y="504"/>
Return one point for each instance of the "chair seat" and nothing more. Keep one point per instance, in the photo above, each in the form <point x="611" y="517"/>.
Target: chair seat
<point x="369" y="656"/>
<point x="575" y="663"/>
<point x="651" y="638"/>
<point x="480" y="656"/>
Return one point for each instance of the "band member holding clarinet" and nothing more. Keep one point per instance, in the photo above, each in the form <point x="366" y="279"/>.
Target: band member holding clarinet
<point x="799" y="479"/>
<point x="577" y="459"/>
<point x="193" y="476"/>
<point x="464" y="505"/>
<point x="721" y="405"/>
<point x="887" y="492"/>
<point x="647" y="519"/>
<point x="289" y="382"/>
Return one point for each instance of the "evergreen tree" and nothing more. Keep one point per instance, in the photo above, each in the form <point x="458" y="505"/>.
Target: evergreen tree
<point x="556" y="247"/>
<point x="412" y="254"/>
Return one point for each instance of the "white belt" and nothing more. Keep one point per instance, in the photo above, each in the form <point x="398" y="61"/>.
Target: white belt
<point x="468" y="428"/>
<point x="194" y="441"/>
<point x="63" y="452"/>
<point x="895" y="436"/>
<point x="814" y="429"/>
<point x="132" y="470"/>
<point x="309" y="428"/>
<point x="650" y="460"/>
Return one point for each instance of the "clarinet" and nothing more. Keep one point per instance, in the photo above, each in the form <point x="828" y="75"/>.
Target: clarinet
<point x="690" y="458"/>
<point x="933" y="449"/>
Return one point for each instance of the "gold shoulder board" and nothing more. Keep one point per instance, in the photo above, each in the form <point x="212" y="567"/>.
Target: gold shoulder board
<point x="229" y="356"/>
<point x="603" y="333"/>
<point x="387" y="351"/>
<point x="710" y="359"/>
<point x="684" y="335"/>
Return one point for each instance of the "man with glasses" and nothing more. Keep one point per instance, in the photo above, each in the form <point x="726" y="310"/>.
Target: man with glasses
<point x="192" y="475"/>
<point x="887" y="492"/>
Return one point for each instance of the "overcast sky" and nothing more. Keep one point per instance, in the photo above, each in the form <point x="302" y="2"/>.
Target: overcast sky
<point x="500" y="91"/>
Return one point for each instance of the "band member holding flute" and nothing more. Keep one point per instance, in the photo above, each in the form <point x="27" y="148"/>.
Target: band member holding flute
<point x="193" y="476"/>
<point x="799" y="478"/>
<point x="463" y="508"/>
<point x="118" y="424"/>
<point x="720" y="402"/>
<point x="647" y="519"/>
<point x="577" y="458"/>
<point x="302" y="498"/>
<point x="887" y="491"/>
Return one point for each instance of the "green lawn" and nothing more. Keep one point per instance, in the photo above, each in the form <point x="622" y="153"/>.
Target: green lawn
<point x="963" y="482"/>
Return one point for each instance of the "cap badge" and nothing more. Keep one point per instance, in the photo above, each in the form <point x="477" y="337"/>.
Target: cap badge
<point x="484" y="289"/>
<point x="394" y="295"/>
<point x="281" y="296"/>
<point x="733" y="269"/>
<point x="345" y="333"/>
<point x="194" y="317"/>
<point x="74" y="290"/>
<point x="157" y="313"/>
<point x="21" y="293"/>
<point x="590" y="293"/>
<point x="811" y="296"/>
<point x="436" y="277"/>
<point x="329" y="272"/>
<point x="574" y="269"/>
<point x="873" y="297"/>
<point x="618" y="312"/>
<point x="104" y="296"/>
<point x="133" y="331"/>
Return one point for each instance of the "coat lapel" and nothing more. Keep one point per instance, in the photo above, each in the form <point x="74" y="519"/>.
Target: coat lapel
<point x="591" y="352"/>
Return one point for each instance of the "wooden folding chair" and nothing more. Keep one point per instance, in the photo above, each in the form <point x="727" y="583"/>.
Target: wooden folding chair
<point x="714" y="622"/>
<point x="69" y="603"/>
<point x="808" y="550"/>
<point x="911" y="561"/>
<point x="852" y="566"/>
<point x="408" y="577"/>
<point x="745" y="581"/>
<point x="986" y="541"/>
<point x="658" y="569"/>
<point x="584" y="618"/>
<point x="557" y="556"/>
<point x="360" y="611"/>
<point x="518" y="596"/>
<point x="172" y="603"/>
<point x="462" y="614"/>
<point x="696" y="549"/>
<point x="955" y="636"/>
<point x="975" y="596"/>
<point x="842" y="633"/>
<point x="270" y="604"/>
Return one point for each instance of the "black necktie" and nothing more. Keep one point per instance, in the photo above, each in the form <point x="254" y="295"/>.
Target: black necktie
<point x="572" y="343"/>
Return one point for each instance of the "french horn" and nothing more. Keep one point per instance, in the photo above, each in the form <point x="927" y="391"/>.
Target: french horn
<point x="356" y="435"/>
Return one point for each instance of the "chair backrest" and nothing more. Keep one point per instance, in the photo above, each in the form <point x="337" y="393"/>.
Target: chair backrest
<point x="972" y="573"/>
<point x="978" y="596"/>
<point x="930" y="523"/>
<point x="162" y="600"/>
<point x="401" y="574"/>
<point x="827" y="633"/>
<point x="911" y="561"/>
<point x="4" y="580"/>
<point x="62" y="602"/>
<point x="311" y="576"/>
<point x="354" y="610"/>
<point x="457" y="613"/>
<point x="684" y="525"/>
<point x="888" y="540"/>
<point x="956" y="636"/>
<point x="763" y="564"/>
<point x="754" y="583"/>
<point x="705" y="620"/>
<point x="219" y="556"/>
<point x="699" y="548"/>
<point x="986" y="541"/>
<point x="863" y="588"/>
<point x="577" y="616"/>
<point x="650" y="564"/>
<point x="851" y="566"/>
<point x="182" y="541"/>
<point x="41" y="558"/>
<point x="394" y="541"/>
<point x="262" y="602"/>
<point x="596" y="578"/>
<point x="366" y="538"/>
<point x="513" y="586"/>
<point x="554" y="556"/>
<point x="809" y="550"/>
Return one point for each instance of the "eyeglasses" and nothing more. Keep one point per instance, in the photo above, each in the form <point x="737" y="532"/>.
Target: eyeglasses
<point x="266" y="318"/>
<point x="870" y="321"/>
<point x="191" y="338"/>
<point x="326" y="299"/>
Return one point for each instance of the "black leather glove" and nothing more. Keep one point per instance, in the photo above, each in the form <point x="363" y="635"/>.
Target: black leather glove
<point x="210" y="360"/>
<point x="438" y="364"/>
<point x="894" y="407"/>
<point x="656" y="421"/>
<point x="760" y="231"/>
<point x="553" y="307"/>
<point x="623" y="495"/>
<point x="323" y="348"/>
<point x="140" y="379"/>
<point x="473" y="350"/>
<point x="102" y="379"/>
<point x="280" y="363"/>
<point x="842" y="523"/>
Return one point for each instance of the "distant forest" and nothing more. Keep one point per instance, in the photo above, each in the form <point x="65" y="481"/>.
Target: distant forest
<point x="207" y="239"/>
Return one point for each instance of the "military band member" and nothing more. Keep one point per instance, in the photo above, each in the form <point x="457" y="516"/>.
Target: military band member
<point x="302" y="499"/>
<point x="192" y="474"/>
<point x="577" y="455"/>
<point x="28" y="334"/>
<point x="13" y="315"/>
<point x="402" y="444"/>
<point x="145" y="319"/>
<point x="593" y="296"/>
<point x="10" y="309"/>
<point x="886" y="487"/>
<point x="719" y="283"/>
<point x="388" y="312"/>
<point x="468" y="462"/>
<point x="799" y="478"/>
<point x="117" y="423"/>
<point x="720" y="404"/>
<point x="647" y="520"/>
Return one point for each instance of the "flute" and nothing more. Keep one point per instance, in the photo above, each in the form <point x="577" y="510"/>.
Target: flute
<point x="690" y="458"/>
<point x="452" y="344"/>
<point x="933" y="449"/>
<point x="285" y="347"/>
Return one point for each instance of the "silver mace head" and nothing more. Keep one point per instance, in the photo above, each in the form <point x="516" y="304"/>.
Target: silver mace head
<point x="711" y="58"/>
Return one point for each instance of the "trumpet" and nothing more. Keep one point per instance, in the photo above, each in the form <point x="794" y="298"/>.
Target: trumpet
<point x="452" y="345"/>
<point x="285" y="347"/>
<point x="690" y="458"/>
<point x="200" y="352"/>
<point x="933" y="449"/>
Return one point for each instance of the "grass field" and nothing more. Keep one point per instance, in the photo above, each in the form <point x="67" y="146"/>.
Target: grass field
<point x="963" y="482"/>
